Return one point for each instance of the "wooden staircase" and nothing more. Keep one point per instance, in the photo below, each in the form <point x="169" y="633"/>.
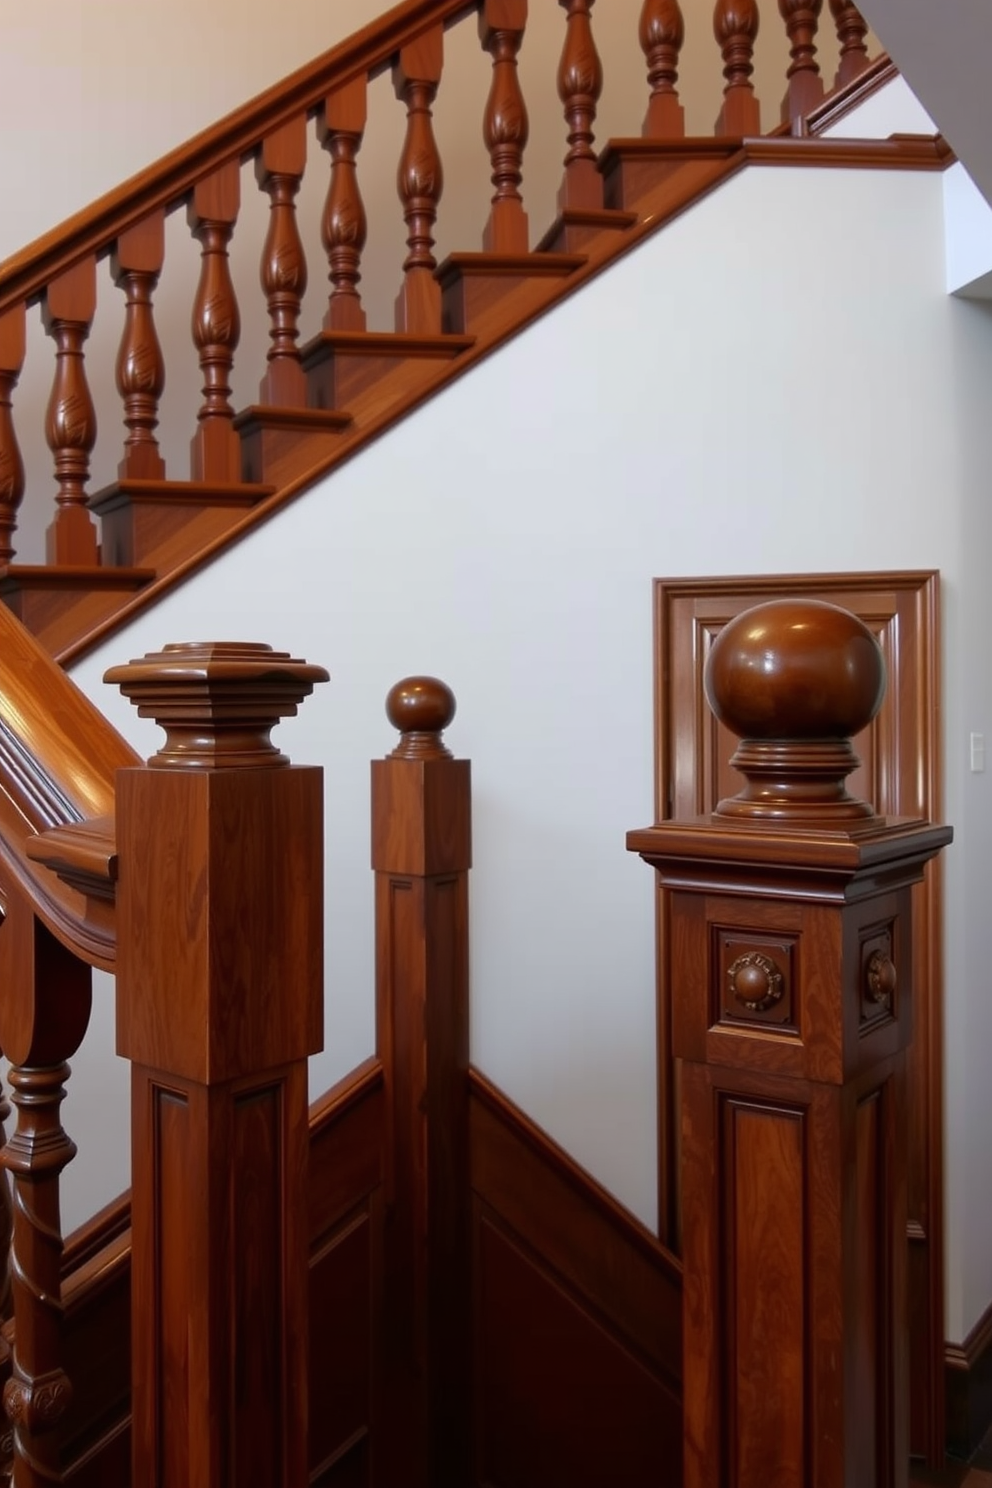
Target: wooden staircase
<point x="117" y="550"/>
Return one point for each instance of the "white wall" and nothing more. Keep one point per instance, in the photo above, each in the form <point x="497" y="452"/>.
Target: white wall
<point x="695" y="410"/>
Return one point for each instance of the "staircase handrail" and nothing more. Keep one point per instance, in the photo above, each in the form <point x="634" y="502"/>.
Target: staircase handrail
<point x="368" y="52"/>
<point x="58" y="761"/>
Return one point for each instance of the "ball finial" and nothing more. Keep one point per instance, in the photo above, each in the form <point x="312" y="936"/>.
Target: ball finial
<point x="794" y="679"/>
<point x="421" y="708"/>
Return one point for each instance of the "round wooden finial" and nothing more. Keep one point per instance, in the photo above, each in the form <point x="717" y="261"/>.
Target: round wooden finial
<point x="794" y="679"/>
<point x="421" y="708"/>
<point x="217" y="701"/>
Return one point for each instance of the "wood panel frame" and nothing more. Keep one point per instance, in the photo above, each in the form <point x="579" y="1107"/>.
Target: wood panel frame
<point x="901" y="774"/>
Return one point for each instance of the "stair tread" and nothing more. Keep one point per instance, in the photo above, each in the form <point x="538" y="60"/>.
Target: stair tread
<point x="306" y="420"/>
<point x="65" y="576"/>
<point x="182" y="493"/>
<point x="393" y="344"/>
<point x="509" y="265"/>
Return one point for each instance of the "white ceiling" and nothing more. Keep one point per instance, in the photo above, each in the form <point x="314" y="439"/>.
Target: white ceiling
<point x="943" y="48"/>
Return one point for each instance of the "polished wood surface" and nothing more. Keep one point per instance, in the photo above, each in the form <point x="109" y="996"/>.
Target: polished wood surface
<point x="577" y="1316"/>
<point x="661" y="34"/>
<point x="219" y="1004"/>
<point x="788" y="952"/>
<point x="421" y="854"/>
<point x="265" y="443"/>
<point x="505" y="125"/>
<point x="43" y="1017"/>
<point x="136" y="264"/>
<point x="693" y="773"/>
<point x="58" y="762"/>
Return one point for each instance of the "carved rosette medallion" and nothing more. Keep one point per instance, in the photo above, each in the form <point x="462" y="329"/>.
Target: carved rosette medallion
<point x="755" y="982"/>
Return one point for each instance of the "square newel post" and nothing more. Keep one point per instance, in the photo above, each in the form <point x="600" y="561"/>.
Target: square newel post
<point x="219" y="1003"/>
<point x="788" y="954"/>
<point x="421" y="854"/>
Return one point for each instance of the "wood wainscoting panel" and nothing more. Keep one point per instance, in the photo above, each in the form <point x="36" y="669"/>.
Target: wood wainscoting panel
<point x="346" y="1227"/>
<point x="900" y="774"/>
<point x="577" y="1318"/>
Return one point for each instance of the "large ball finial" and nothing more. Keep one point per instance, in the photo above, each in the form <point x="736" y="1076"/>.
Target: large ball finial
<point x="421" y="708"/>
<point x="794" y="679"/>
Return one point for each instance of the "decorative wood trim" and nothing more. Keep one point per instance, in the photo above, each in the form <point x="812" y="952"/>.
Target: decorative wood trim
<point x="844" y="100"/>
<point x="916" y="593"/>
<point x="968" y="1375"/>
<point x="577" y="1307"/>
<point x="346" y="1162"/>
<point x="58" y="761"/>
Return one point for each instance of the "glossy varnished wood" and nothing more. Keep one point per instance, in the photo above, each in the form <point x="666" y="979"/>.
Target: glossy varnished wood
<point x="577" y="1317"/>
<point x="693" y="773"/>
<point x="788" y="956"/>
<point x="421" y="854"/>
<point x="219" y="1004"/>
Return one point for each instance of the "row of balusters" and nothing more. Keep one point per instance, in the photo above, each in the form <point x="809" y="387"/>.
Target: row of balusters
<point x="69" y="301"/>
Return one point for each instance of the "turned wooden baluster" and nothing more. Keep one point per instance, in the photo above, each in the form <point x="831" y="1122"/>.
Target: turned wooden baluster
<point x="343" y="230"/>
<point x="136" y="264"/>
<point x="70" y="423"/>
<point x="42" y="1021"/>
<point x="662" y="33"/>
<point x="420" y="181"/>
<point x="215" y="453"/>
<point x="852" y="28"/>
<point x="735" y="26"/>
<point x="279" y="169"/>
<point x="505" y="126"/>
<point x="580" y="82"/>
<point x="6" y="1237"/>
<point x="12" y="343"/>
<point x="805" y="89"/>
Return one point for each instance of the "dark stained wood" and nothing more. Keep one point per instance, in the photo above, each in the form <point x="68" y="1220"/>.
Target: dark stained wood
<point x="693" y="773"/>
<point x="580" y="82"/>
<point x="136" y="265"/>
<point x="12" y="346"/>
<point x="788" y="951"/>
<point x="420" y="181"/>
<point x="279" y="444"/>
<point x="58" y="762"/>
<point x="805" y="85"/>
<point x="341" y="125"/>
<point x="735" y="26"/>
<point x="279" y="169"/>
<point x="43" y="1018"/>
<point x="70" y="422"/>
<point x="577" y="1314"/>
<point x="481" y="290"/>
<point x="421" y="853"/>
<point x="56" y="604"/>
<point x="157" y="525"/>
<point x="215" y="452"/>
<point x="662" y="32"/>
<point x="852" y="28"/>
<point x="219" y="1004"/>
<point x="969" y="1389"/>
<point x="505" y="125"/>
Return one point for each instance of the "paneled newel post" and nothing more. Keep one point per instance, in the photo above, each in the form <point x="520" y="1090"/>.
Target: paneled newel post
<point x="219" y="1002"/>
<point x="421" y="853"/>
<point x="788" y="956"/>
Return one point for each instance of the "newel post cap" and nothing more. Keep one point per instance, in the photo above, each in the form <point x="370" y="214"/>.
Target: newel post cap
<point x="794" y="679"/>
<point x="421" y="708"/>
<point x="217" y="701"/>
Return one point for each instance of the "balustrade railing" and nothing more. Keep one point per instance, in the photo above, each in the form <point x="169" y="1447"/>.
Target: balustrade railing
<point x="59" y="274"/>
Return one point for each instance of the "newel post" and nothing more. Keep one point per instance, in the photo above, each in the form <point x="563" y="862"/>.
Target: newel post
<point x="219" y="1002"/>
<point x="789" y="959"/>
<point x="421" y="854"/>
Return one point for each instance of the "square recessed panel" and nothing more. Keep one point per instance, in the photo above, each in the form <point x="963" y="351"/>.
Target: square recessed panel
<point x="754" y="980"/>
